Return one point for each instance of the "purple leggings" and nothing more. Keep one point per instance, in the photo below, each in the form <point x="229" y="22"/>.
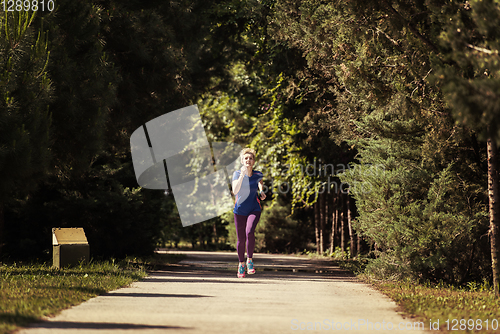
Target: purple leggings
<point x="245" y="231"/>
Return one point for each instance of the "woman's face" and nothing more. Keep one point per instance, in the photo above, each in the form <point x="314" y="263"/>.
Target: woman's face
<point x="248" y="160"/>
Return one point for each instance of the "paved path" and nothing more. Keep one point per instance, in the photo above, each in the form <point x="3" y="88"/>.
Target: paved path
<point x="201" y="294"/>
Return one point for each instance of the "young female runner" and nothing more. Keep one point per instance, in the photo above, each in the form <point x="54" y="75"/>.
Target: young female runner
<point x="247" y="187"/>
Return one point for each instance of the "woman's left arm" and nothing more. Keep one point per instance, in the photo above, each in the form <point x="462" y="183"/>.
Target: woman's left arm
<point x="261" y="187"/>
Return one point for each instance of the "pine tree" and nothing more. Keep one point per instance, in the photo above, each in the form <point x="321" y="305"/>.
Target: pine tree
<point x="84" y="81"/>
<point x="470" y="75"/>
<point x="116" y="65"/>
<point x="25" y="90"/>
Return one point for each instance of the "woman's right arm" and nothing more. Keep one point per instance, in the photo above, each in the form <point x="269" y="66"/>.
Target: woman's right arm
<point x="237" y="183"/>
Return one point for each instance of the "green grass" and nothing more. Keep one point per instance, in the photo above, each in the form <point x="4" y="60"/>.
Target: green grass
<point x="29" y="292"/>
<point x="339" y="258"/>
<point x="154" y="262"/>
<point x="459" y="310"/>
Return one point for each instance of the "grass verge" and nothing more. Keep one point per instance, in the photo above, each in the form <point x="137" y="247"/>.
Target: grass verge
<point x="474" y="308"/>
<point x="30" y="292"/>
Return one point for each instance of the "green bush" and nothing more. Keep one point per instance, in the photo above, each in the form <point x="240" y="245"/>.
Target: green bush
<point x="422" y="221"/>
<point x="119" y="219"/>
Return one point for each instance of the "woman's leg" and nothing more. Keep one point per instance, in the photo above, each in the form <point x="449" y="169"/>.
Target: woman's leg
<point x="240" y="222"/>
<point x="251" y="223"/>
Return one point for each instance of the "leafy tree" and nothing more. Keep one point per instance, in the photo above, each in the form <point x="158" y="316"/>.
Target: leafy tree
<point x="260" y="109"/>
<point x="167" y="54"/>
<point x="366" y="72"/>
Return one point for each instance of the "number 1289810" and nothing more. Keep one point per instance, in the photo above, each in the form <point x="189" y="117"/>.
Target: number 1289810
<point x="471" y="324"/>
<point x="27" y="5"/>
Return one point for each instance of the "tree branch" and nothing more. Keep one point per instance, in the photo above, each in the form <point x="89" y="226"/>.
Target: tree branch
<point x="477" y="48"/>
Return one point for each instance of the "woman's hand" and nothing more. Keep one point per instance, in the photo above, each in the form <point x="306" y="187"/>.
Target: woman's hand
<point x="243" y="170"/>
<point x="261" y="190"/>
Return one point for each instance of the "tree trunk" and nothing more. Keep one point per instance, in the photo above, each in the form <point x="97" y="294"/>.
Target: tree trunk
<point x="216" y="237"/>
<point x="339" y="220"/>
<point x="1" y="228"/>
<point x="316" y="224"/>
<point x="351" y="230"/>
<point x="333" y="234"/>
<point x="493" y="196"/>
<point x="321" y="221"/>
<point x="359" y="250"/>
<point x="325" y="223"/>
<point x="214" y="203"/>
<point x="342" y="223"/>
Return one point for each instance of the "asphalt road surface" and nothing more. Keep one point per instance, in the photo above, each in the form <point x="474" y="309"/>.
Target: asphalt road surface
<point x="201" y="294"/>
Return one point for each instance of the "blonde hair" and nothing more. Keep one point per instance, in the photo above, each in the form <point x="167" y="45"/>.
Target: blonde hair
<point x="246" y="151"/>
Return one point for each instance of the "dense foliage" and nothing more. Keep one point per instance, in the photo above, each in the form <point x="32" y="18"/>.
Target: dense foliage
<point x="372" y="72"/>
<point x="113" y="66"/>
<point x="370" y="121"/>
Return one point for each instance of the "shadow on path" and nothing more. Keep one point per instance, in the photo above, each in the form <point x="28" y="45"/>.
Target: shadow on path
<point x="153" y="295"/>
<point x="61" y="325"/>
<point x="218" y="267"/>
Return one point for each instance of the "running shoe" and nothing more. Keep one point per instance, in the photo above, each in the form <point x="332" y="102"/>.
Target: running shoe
<point x="241" y="270"/>
<point x="250" y="267"/>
